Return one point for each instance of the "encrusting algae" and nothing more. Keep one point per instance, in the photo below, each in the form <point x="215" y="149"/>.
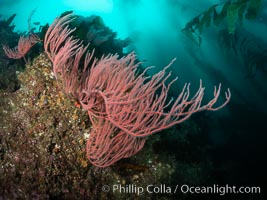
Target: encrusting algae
<point x="43" y="141"/>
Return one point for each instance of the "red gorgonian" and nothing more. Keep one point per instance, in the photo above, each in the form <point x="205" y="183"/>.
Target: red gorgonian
<point x="24" y="45"/>
<point x="124" y="106"/>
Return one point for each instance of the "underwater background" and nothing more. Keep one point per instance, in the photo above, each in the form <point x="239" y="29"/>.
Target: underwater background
<point x="42" y="148"/>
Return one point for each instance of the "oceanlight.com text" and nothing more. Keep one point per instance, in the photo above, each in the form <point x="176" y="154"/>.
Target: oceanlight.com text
<point x="184" y="189"/>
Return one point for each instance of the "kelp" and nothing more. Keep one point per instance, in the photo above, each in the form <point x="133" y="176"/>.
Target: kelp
<point x="231" y="11"/>
<point x="249" y="49"/>
<point x="10" y="19"/>
<point x="7" y="23"/>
